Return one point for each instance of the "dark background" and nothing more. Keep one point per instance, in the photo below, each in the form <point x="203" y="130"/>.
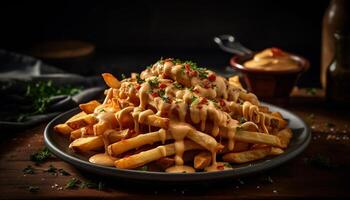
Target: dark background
<point x="133" y="34"/>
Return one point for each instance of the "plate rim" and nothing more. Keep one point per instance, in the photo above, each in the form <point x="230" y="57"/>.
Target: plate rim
<point x="138" y="175"/>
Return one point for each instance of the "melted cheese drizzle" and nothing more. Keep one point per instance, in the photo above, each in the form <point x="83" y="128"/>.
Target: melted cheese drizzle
<point x="203" y="101"/>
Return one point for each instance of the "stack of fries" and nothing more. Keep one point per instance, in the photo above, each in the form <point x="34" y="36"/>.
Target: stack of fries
<point x="176" y="117"/>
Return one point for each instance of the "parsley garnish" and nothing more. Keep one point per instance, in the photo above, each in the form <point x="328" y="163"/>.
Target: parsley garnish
<point x="33" y="189"/>
<point x="28" y="170"/>
<point x="311" y="91"/>
<point x="242" y="120"/>
<point x="178" y="86"/>
<point x="143" y="168"/>
<point x="154" y="82"/>
<point x="40" y="94"/>
<point x="92" y="185"/>
<point x="123" y="76"/>
<point x="139" y="80"/>
<point x="51" y="170"/>
<point x="63" y="172"/>
<point x="228" y="165"/>
<point x="239" y="128"/>
<point x="194" y="99"/>
<point x="162" y="95"/>
<point x="72" y="183"/>
<point x="41" y="156"/>
<point x="202" y="72"/>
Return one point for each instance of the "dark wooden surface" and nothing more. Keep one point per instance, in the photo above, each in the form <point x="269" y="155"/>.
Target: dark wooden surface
<point x="305" y="177"/>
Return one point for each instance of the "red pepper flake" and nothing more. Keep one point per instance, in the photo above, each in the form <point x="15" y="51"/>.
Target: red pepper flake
<point x="155" y="94"/>
<point x="220" y="167"/>
<point x="138" y="86"/>
<point x="193" y="73"/>
<point x="204" y="101"/>
<point x="276" y="51"/>
<point x="222" y="102"/>
<point x="187" y="67"/>
<point x="162" y="86"/>
<point x="206" y="85"/>
<point x="212" y="77"/>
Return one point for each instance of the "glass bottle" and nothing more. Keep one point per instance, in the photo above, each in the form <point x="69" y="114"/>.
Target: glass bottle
<point x="336" y="18"/>
<point x="338" y="72"/>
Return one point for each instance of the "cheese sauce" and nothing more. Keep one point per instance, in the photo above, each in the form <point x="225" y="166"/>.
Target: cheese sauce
<point x="181" y="92"/>
<point x="272" y="59"/>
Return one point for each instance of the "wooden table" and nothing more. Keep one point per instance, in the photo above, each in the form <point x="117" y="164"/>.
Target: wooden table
<point x="321" y="171"/>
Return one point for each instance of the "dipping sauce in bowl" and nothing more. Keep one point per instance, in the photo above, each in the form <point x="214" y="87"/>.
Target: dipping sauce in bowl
<point x="271" y="73"/>
<point x="272" y="59"/>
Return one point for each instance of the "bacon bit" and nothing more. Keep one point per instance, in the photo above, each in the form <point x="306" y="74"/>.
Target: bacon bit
<point x="206" y="84"/>
<point x="138" y="86"/>
<point x="212" y="77"/>
<point x="195" y="90"/>
<point x="204" y="101"/>
<point x="220" y="167"/>
<point x="199" y="107"/>
<point x="155" y="94"/>
<point x="187" y="67"/>
<point x="276" y="51"/>
<point x="193" y="73"/>
<point x="222" y="102"/>
<point x="162" y="86"/>
<point x="166" y="75"/>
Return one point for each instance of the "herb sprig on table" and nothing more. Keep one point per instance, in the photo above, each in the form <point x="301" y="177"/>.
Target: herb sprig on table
<point x="40" y="94"/>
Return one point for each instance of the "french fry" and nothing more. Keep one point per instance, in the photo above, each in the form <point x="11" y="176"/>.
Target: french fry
<point x="154" y="120"/>
<point x="89" y="107"/>
<point x="145" y="157"/>
<point x="285" y="135"/>
<point x="111" y="80"/>
<point x="276" y="151"/>
<point x="63" y="128"/>
<point x="87" y="130"/>
<point x="247" y="156"/>
<point x="82" y="121"/>
<point x="202" y="160"/>
<point x="258" y="138"/>
<point x="138" y="141"/>
<point x="101" y="127"/>
<point x="87" y="144"/>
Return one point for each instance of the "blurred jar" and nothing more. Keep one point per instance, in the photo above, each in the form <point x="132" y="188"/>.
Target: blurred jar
<point x="336" y="19"/>
<point x="338" y="72"/>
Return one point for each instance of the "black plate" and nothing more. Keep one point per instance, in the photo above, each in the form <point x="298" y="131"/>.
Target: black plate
<point x="59" y="146"/>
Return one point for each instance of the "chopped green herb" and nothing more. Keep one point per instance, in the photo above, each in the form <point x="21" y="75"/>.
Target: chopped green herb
<point x="28" y="170"/>
<point x="123" y="76"/>
<point x="242" y="120"/>
<point x="178" y="86"/>
<point x="51" y="170"/>
<point x="143" y="168"/>
<point x="239" y="128"/>
<point x="202" y="72"/>
<point x="154" y="82"/>
<point x="33" y="189"/>
<point x="72" y="183"/>
<point x="310" y="119"/>
<point x="41" y="156"/>
<point x="149" y="67"/>
<point x="40" y="94"/>
<point x="63" y="172"/>
<point x="88" y="184"/>
<point x="194" y="99"/>
<point x="102" y="110"/>
<point x="311" y="91"/>
<point x="139" y="80"/>
<point x="228" y="165"/>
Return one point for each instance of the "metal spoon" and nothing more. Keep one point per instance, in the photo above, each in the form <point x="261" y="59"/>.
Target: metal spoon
<point x="229" y="44"/>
